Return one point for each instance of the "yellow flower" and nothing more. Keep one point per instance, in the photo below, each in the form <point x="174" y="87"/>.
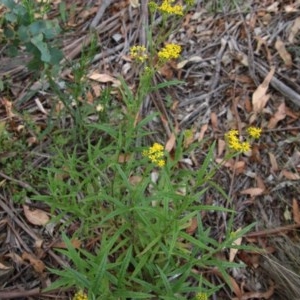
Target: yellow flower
<point x="170" y="51"/>
<point x="234" y="143"/>
<point x="139" y="53"/>
<point x="167" y="8"/>
<point x="155" y="154"/>
<point x="201" y="296"/>
<point x="233" y="140"/>
<point x="161" y="163"/>
<point x="80" y="295"/>
<point x="232" y="134"/>
<point x="244" y="147"/>
<point x="254" y="132"/>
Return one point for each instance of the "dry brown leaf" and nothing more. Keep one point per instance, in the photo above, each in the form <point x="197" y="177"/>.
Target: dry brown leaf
<point x="193" y="226"/>
<point x="59" y="106"/>
<point x="273" y="161"/>
<point x="96" y="89"/>
<point x="290" y="175"/>
<point x="294" y="160"/>
<point x="226" y="163"/>
<point x="278" y="116"/>
<point x="85" y="13"/>
<point x="234" y="286"/>
<point x="4" y="267"/>
<point x="260" y="96"/>
<point x="171" y="142"/>
<point x="257" y="295"/>
<point x="104" y="78"/>
<point x="253" y="192"/>
<point x="273" y="7"/>
<point x="237" y="166"/>
<point x="36" y="216"/>
<point x="260" y="182"/>
<point x="167" y="71"/>
<point x="255" y="156"/>
<point x="8" y="107"/>
<point x="38" y="246"/>
<point x="62" y="245"/>
<point x="31" y="141"/>
<point x="135" y="180"/>
<point x="89" y="97"/>
<point x="248" y="105"/>
<point x="202" y="132"/>
<point x="261" y="42"/>
<point x="234" y="251"/>
<point x="37" y="264"/>
<point x="290" y="8"/>
<point x="244" y="79"/>
<point x="249" y="258"/>
<point x="214" y="121"/>
<point x="174" y="105"/>
<point x="292" y="114"/>
<point x="195" y="59"/>
<point x="296" y="211"/>
<point x="284" y="54"/>
<point x="123" y="158"/>
<point x="221" y="146"/>
<point x="294" y="30"/>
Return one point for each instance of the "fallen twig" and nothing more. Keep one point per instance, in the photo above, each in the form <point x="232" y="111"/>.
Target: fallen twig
<point x="100" y="13"/>
<point x="272" y="231"/>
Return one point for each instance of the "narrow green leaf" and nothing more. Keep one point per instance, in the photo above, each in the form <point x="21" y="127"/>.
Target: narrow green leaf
<point x="164" y="280"/>
<point x="124" y="266"/>
<point x="150" y="245"/>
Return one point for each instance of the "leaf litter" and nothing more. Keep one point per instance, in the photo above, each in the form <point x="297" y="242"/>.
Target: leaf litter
<point x="256" y="59"/>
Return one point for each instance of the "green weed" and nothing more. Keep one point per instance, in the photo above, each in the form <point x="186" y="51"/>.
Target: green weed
<point x="22" y="27"/>
<point x="107" y="184"/>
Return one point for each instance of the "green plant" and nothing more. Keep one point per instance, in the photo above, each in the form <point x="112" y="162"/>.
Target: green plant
<point x="134" y="201"/>
<point x="73" y="101"/>
<point x="22" y="27"/>
<point x="10" y="149"/>
<point x="144" y="250"/>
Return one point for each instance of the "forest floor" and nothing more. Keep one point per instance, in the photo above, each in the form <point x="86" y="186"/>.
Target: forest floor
<point x="241" y="68"/>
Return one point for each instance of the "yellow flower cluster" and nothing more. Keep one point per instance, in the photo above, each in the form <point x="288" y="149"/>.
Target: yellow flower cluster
<point x="170" y="51"/>
<point x="139" y="53"/>
<point x="156" y="154"/>
<point x="254" y="132"/>
<point x="201" y="296"/>
<point x="167" y="8"/>
<point x="80" y="295"/>
<point x="234" y="142"/>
